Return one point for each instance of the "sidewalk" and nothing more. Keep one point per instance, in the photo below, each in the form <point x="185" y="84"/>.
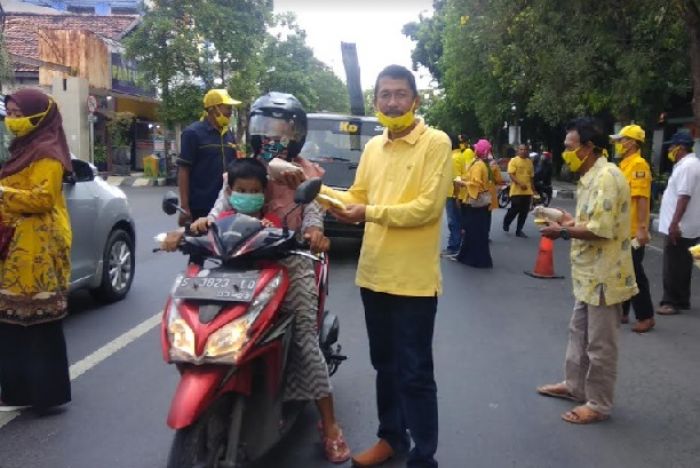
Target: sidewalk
<point x="135" y="179"/>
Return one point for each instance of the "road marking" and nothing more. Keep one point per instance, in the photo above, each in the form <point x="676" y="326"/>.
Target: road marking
<point x="90" y="361"/>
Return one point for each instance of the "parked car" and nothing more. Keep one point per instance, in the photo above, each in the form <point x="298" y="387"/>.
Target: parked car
<point x="336" y="142"/>
<point x="103" y="250"/>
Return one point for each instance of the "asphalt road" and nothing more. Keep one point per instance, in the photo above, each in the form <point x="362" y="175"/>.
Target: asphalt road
<point x="499" y="334"/>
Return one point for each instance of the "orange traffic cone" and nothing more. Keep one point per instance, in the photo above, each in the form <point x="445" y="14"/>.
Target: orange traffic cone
<point x="544" y="265"/>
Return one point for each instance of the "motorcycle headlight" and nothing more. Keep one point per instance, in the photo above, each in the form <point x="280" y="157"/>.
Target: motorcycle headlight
<point x="180" y="335"/>
<point x="225" y="344"/>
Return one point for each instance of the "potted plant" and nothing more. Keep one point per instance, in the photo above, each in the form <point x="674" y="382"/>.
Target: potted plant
<point x="120" y="129"/>
<point x="100" y="155"/>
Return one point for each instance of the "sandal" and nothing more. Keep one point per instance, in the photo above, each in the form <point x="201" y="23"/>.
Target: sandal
<point x="583" y="415"/>
<point x="336" y="449"/>
<point x="667" y="309"/>
<point x="557" y="390"/>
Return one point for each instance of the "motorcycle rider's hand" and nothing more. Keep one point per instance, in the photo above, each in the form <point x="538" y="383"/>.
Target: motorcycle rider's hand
<point x="184" y="218"/>
<point x="353" y="214"/>
<point x="642" y="235"/>
<point x="201" y="226"/>
<point x="292" y="179"/>
<point x="318" y="243"/>
<point x="172" y="240"/>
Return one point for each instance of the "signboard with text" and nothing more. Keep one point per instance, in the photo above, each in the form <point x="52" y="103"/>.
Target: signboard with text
<point x="125" y="77"/>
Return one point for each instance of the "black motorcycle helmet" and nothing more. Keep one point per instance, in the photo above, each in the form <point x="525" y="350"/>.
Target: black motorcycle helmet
<point x="280" y="117"/>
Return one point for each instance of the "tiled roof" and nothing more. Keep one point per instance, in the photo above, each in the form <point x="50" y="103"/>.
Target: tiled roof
<point x="22" y="30"/>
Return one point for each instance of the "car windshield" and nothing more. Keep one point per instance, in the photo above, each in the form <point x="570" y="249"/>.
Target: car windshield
<point x="338" y="139"/>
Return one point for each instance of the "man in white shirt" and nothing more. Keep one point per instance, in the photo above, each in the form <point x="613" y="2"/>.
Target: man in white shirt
<point x="679" y="220"/>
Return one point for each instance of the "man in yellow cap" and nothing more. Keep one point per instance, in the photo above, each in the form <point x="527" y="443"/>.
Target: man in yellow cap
<point x="207" y="147"/>
<point x="628" y="145"/>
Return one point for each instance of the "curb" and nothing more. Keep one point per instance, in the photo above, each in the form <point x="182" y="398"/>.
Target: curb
<point x="133" y="181"/>
<point x="565" y="194"/>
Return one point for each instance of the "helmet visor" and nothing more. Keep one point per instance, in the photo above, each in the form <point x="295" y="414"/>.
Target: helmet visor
<point x="281" y="128"/>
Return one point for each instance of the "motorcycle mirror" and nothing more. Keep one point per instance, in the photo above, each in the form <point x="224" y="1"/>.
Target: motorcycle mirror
<point x="170" y="203"/>
<point x="307" y="191"/>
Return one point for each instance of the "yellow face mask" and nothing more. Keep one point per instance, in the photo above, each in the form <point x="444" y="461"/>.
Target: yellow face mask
<point x="572" y="160"/>
<point x="673" y="154"/>
<point x="397" y="124"/>
<point x="21" y="126"/>
<point x="619" y="150"/>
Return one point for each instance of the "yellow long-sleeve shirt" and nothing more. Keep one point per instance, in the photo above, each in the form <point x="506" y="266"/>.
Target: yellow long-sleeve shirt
<point x="404" y="183"/>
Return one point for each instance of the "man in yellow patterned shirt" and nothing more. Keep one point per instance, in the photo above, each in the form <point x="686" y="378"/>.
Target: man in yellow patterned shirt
<point x="601" y="270"/>
<point x="628" y="145"/>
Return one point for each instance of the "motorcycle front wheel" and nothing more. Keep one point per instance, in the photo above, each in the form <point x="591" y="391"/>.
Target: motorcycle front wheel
<point x="503" y="198"/>
<point x="205" y="443"/>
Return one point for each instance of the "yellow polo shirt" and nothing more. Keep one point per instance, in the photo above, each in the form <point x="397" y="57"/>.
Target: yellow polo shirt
<point x="404" y="183"/>
<point x="477" y="179"/>
<point x="524" y="171"/>
<point x="638" y="174"/>
<point x="603" y="265"/>
<point x="458" y="166"/>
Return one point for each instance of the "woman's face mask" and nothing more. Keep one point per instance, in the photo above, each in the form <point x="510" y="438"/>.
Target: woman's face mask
<point x="247" y="203"/>
<point x="21" y="126"/>
<point x="274" y="148"/>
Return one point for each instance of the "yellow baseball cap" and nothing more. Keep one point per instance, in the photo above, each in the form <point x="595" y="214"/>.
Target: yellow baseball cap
<point x="214" y="97"/>
<point x="634" y="132"/>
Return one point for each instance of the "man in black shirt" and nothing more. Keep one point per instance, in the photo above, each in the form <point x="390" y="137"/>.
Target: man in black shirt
<point x="207" y="147"/>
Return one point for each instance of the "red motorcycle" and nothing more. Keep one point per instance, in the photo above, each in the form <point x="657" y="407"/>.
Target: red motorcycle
<point x="223" y="328"/>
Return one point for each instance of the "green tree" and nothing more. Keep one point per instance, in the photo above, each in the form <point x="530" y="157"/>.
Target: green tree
<point x="551" y="60"/>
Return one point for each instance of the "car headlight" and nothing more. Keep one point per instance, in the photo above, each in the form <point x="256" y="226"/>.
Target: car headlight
<point x="180" y="335"/>
<point x="225" y="344"/>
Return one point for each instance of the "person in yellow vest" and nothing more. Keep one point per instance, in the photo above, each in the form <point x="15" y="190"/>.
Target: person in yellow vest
<point x="453" y="205"/>
<point x="476" y="209"/>
<point x="628" y="145"/>
<point x="522" y="173"/>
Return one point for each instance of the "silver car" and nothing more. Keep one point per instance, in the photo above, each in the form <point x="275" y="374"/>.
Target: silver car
<point x="102" y="255"/>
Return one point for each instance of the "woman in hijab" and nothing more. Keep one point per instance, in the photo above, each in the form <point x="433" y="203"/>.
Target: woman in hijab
<point x="476" y="209"/>
<point x="35" y="242"/>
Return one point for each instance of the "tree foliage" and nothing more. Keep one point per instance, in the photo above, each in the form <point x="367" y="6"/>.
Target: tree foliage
<point x="187" y="47"/>
<point x="551" y="60"/>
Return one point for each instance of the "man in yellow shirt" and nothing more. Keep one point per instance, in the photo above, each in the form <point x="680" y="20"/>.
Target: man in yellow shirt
<point x="601" y="270"/>
<point x="399" y="192"/>
<point x="522" y="173"/>
<point x="628" y="144"/>
<point x="453" y="205"/>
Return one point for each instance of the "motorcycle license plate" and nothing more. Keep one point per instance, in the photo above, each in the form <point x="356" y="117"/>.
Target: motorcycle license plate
<point x="215" y="285"/>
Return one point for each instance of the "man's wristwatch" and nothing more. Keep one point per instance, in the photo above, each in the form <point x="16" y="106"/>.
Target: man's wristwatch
<point x="564" y="233"/>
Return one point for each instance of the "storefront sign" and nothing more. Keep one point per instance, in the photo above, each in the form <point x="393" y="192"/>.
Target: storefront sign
<point x="125" y="77"/>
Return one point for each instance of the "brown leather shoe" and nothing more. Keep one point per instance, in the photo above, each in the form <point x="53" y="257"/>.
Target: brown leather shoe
<point x="375" y="455"/>
<point x="644" y="326"/>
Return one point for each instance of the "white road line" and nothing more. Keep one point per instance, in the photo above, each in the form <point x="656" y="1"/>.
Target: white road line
<point x="90" y="361"/>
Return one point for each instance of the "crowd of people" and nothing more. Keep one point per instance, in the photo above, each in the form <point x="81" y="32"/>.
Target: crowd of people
<point x="406" y="178"/>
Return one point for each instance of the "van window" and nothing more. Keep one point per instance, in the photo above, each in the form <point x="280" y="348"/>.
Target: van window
<point x="338" y="139"/>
